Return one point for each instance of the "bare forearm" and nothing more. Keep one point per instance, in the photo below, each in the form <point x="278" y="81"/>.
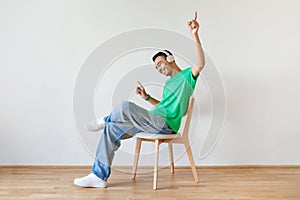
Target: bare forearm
<point x="142" y="92"/>
<point x="153" y="101"/>
<point x="200" y="58"/>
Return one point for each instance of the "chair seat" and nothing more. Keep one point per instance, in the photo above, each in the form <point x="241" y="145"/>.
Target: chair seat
<point x="153" y="136"/>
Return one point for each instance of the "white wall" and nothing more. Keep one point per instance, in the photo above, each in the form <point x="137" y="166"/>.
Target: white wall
<point x="253" y="44"/>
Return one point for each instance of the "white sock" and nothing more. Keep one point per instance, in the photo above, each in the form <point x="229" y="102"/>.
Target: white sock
<point x="95" y="125"/>
<point x="101" y="122"/>
<point x="90" y="180"/>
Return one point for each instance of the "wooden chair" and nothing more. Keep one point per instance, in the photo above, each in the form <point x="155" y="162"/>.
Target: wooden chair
<point x="170" y="139"/>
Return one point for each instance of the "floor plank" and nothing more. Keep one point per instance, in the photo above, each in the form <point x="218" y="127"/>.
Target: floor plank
<point x="215" y="183"/>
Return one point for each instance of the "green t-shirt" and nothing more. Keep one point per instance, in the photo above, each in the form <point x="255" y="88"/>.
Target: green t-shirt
<point x="175" y="98"/>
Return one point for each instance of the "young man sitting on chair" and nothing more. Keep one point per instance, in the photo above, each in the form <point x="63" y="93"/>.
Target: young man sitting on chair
<point x="128" y="119"/>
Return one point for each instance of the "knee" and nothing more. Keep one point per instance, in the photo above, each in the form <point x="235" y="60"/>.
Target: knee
<point x="125" y="105"/>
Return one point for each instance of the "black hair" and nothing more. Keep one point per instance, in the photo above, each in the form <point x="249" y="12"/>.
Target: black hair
<point x="161" y="53"/>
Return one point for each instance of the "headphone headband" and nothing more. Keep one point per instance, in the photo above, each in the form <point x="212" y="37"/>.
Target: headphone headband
<point x="170" y="57"/>
<point x="166" y="52"/>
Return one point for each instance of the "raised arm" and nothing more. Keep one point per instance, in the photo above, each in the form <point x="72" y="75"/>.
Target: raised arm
<point x="200" y="59"/>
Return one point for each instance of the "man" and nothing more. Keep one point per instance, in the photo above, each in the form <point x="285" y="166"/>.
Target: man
<point x="128" y="119"/>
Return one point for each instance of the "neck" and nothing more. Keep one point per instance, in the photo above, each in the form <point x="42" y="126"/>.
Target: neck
<point x="175" y="70"/>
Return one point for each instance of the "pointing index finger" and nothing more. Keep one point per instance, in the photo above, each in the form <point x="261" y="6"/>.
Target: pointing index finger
<point x="195" y="18"/>
<point x="140" y="84"/>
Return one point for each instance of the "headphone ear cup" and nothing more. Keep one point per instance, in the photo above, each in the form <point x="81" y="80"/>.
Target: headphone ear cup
<point x="170" y="58"/>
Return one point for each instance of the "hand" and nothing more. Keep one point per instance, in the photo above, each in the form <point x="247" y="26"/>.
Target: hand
<point x="194" y="25"/>
<point x="140" y="90"/>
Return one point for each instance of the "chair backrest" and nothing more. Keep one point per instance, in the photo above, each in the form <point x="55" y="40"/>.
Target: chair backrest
<point x="189" y="114"/>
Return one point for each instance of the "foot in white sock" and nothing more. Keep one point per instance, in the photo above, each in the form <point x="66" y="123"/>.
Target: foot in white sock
<point x="90" y="180"/>
<point x="95" y="125"/>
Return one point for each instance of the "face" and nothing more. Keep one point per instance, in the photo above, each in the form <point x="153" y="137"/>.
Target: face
<point x="162" y="65"/>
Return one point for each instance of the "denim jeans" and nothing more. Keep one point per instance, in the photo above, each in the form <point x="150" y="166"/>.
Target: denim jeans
<point x="124" y="121"/>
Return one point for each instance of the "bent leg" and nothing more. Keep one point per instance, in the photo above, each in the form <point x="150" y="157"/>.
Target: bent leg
<point x="141" y="118"/>
<point x="109" y="142"/>
<point x="129" y="119"/>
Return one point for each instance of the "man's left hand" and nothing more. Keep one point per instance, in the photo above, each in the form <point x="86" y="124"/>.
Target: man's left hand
<point x="194" y="25"/>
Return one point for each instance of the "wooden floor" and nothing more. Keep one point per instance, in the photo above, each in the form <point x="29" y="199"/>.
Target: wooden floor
<point x="215" y="183"/>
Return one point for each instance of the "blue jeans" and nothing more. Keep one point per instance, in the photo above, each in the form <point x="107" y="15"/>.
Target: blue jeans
<point x="124" y="121"/>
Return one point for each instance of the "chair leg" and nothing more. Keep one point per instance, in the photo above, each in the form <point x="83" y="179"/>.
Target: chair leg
<point x="136" y="156"/>
<point x="156" y="165"/>
<point x="190" y="156"/>
<point x="171" y="158"/>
